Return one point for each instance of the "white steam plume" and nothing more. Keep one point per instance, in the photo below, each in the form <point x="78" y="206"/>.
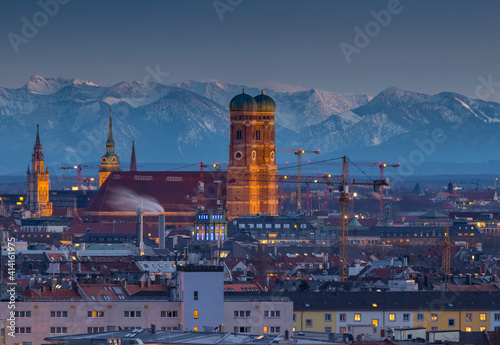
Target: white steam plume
<point x="124" y="199"/>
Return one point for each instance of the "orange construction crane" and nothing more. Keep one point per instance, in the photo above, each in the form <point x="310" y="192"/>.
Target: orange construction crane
<point x="343" y="181"/>
<point x="344" y="214"/>
<point x="298" y="153"/>
<point x="382" y="167"/>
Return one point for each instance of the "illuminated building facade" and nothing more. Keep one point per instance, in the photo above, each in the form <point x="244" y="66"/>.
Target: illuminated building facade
<point x="252" y="157"/>
<point x="37" y="180"/>
<point x="110" y="161"/>
<point x="210" y="225"/>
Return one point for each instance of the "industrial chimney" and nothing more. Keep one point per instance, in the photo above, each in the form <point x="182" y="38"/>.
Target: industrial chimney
<point x="140" y="230"/>
<point x="161" y="230"/>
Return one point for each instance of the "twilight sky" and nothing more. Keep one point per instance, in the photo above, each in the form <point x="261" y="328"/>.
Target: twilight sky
<point x="427" y="46"/>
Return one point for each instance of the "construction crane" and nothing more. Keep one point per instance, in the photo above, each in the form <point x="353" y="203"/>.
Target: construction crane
<point x="446" y="262"/>
<point x="344" y="182"/>
<point x="298" y="153"/>
<point x="382" y="167"/>
<point x="308" y="180"/>
<point x="344" y="214"/>
<point x="79" y="168"/>
<point x="86" y="180"/>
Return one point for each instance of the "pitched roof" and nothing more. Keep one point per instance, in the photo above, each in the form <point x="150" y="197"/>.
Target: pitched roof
<point x="62" y="294"/>
<point x="173" y="190"/>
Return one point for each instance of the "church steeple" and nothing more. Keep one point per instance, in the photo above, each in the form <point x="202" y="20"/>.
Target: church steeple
<point x="37" y="149"/>
<point x="110" y="144"/>
<point x="38" y="183"/>
<point x="133" y="161"/>
<point x="110" y="161"/>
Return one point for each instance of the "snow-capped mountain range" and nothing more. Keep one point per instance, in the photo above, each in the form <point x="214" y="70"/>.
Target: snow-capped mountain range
<point x="189" y="122"/>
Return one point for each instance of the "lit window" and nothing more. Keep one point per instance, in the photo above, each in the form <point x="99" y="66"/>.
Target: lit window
<point x="266" y="329"/>
<point x="342" y="317"/>
<point x="95" y="313"/>
<point x="392" y="317"/>
<point x="195" y="314"/>
<point x="375" y="322"/>
<point x="309" y="322"/>
<point x="468" y="317"/>
<point x="434" y="329"/>
<point x="482" y="329"/>
<point x="434" y="317"/>
<point x="357" y="317"/>
<point x="482" y="317"/>
<point x="195" y="329"/>
<point x="468" y="329"/>
<point x="342" y="330"/>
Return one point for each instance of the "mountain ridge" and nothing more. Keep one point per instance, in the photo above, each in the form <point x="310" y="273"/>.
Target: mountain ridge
<point x="189" y="121"/>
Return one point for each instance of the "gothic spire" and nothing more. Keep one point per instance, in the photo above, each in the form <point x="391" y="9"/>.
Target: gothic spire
<point x="37" y="142"/>
<point x="133" y="162"/>
<point x="37" y="149"/>
<point x="110" y="133"/>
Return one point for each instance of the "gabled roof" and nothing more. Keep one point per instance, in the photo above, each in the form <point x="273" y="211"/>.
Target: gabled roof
<point x="173" y="190"/>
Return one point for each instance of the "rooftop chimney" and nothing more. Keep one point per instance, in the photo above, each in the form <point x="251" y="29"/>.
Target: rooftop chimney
<point x="161" y="230"/>
<point x="140" y="230"/>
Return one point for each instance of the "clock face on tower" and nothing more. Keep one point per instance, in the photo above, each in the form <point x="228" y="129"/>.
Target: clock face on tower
<point x="272" y="156"/>
<point x="104" y="159"/>
<point x="238" y="155"/>
<point x="254" y="154"/>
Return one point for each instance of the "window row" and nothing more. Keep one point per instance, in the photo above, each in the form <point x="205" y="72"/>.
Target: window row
<point x="242" y="313"/>
<point x="272" y="313"/>
<point x="242" y="329"/>
<point x="58" y="330"/>
<point x="22" y="314"/>
<point x="132" y="313"/>
<point x="268" y="329"/>
<point x="127" y="313"/>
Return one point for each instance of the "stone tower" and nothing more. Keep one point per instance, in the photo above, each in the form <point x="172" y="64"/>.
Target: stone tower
<point x="37" y="196"/>
<point x="252" y="157"/>
<point x="110" y="161"/>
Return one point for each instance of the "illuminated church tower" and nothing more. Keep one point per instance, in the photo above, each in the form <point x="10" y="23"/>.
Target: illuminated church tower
<point x="37" y="196"/>
<point x="252" y="157"/>
<point x="110" y="161"/>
